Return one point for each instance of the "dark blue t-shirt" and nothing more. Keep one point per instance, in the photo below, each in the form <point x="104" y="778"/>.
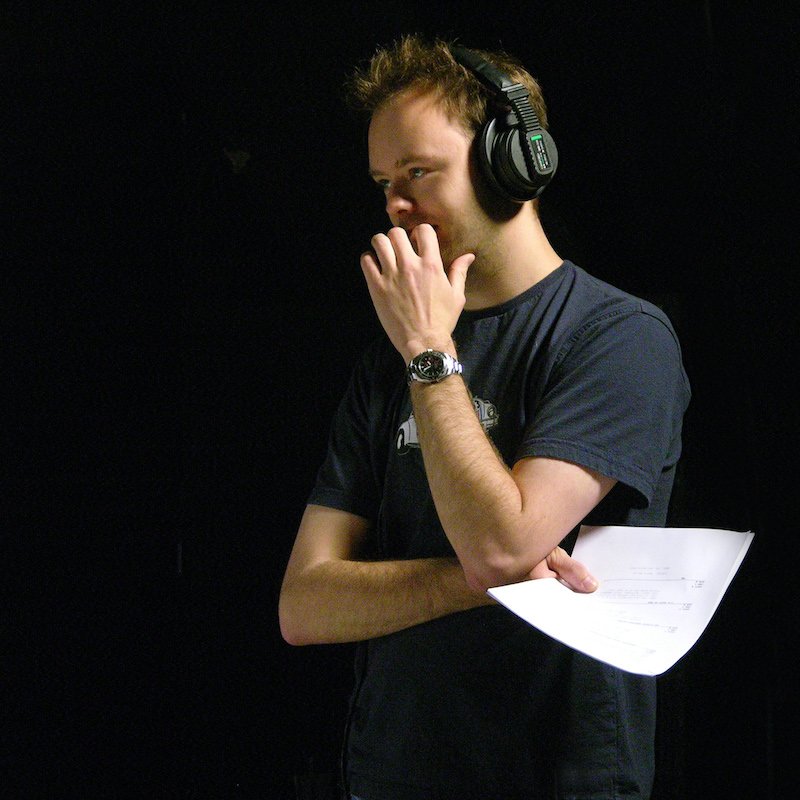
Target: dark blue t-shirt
<point x="480" y="704"/>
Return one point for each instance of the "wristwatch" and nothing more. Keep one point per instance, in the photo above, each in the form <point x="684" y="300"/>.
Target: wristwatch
<point x="432" y="366"/>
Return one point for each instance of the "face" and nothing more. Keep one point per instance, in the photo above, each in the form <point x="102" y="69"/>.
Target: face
<point x="421" y="160"/>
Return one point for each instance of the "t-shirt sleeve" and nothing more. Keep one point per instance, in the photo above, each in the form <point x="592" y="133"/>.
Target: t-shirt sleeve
<point x="614" y="400"/>
<point x="348" y="477"/>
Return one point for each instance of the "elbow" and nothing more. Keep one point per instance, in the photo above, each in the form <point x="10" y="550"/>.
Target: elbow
<point x="293" y="629"/>
<point x="291" y="635"/>
<point x="498" y="570"/>
<point x="289" y="631"/>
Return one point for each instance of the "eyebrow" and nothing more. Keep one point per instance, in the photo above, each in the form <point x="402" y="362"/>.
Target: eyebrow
<point x="401" y="162"/>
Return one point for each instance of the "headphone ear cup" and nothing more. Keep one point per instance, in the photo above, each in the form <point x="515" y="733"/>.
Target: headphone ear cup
<point x="504" y="165"/>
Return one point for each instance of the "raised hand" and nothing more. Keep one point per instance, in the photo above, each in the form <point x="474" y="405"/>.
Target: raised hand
<point x="418" y="300"/>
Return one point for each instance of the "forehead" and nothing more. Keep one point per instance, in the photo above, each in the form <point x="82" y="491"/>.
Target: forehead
<point x="413" y="123"/>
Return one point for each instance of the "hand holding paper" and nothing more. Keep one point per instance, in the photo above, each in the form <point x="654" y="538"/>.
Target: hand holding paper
<point x="659" y="588"/>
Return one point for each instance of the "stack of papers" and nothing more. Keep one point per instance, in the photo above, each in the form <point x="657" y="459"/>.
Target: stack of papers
<point x="659" y="588"/>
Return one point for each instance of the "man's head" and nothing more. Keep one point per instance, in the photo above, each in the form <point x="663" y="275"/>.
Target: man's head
<point x="414" y="63"/>
<point x="424" y="111"/>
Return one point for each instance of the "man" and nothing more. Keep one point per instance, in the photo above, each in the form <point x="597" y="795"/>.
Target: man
<point x="513" y="398"/>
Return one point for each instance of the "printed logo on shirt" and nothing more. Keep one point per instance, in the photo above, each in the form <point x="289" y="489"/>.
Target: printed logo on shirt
<point x="407" y="437"/>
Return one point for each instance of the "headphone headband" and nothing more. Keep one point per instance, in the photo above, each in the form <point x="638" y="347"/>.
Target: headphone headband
<point x="487" y="73"/>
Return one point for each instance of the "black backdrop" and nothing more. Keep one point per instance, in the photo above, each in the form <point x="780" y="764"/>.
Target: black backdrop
<point x="180" y="320"/>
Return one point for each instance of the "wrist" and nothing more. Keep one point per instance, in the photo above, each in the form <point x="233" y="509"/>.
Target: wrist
<point x="417" y="346"/>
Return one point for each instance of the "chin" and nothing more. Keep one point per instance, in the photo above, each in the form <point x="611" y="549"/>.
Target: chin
<point x="450" y="251"/>
<point x="446" y="251"/>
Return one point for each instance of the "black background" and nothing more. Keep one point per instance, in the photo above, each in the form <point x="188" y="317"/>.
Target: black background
<point x="177" y="335"/>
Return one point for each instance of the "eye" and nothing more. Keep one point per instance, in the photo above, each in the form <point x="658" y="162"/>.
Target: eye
<point x="416" y="172"/>
<point x="382" y="183"/>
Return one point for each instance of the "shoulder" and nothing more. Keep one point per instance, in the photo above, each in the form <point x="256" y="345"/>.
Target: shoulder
<point x="607" y="329"/>
<point x="590" y="304"/>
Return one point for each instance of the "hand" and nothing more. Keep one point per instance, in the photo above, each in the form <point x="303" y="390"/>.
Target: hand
<point x="417" y="301"/>
<point x="559" y="564"/>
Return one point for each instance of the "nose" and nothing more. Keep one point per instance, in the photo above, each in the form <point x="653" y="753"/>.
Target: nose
<point x="398" y="202"/>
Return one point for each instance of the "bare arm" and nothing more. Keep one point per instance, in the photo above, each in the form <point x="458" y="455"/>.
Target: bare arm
<point x="329" y="596"/>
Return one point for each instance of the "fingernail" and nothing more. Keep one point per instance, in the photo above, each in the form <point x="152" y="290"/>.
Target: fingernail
<point x="589" y="584"/>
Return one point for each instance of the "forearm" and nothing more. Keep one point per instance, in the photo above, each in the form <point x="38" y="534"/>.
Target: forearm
<point x="346" y="601"/>
<point x="477" y="499"/>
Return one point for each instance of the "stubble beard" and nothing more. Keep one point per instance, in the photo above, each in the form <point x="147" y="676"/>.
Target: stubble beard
<point x="475" y="236"/>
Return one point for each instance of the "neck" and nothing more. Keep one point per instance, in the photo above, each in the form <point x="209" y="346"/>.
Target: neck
<point x="513" y="260"/>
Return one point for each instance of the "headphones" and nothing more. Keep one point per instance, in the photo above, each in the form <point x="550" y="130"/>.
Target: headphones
<point x="517" y="155"/>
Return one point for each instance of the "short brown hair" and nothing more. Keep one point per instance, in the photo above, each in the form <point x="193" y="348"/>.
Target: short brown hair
<point x="413" y="63"/>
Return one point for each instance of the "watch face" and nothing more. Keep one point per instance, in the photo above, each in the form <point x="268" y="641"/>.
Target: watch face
<point x="430" y="366"/>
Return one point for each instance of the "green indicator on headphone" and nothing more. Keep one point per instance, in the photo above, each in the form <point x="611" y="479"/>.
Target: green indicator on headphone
<point x="540" y="152"/>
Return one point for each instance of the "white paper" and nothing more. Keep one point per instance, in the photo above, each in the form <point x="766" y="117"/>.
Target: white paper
<point x="659" y="588"/>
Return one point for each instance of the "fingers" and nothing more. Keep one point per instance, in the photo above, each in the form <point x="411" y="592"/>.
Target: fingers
<point x="541" y="570"/>
<point x="401" y="259"/>
<point x="426" y="242"/>
<point x="571" y="572"/>
<point x="393" y="250"/>
<point x="403" y="248"/>
<point x="398" y="248"/>
<point x="369" y="265"/>
<point x="457" y="274"/>
<point x="384" y="258"/>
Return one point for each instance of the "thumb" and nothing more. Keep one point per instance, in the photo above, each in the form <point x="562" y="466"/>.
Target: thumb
<point x="571" y="572"/>
<point x="457" y="273"/>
